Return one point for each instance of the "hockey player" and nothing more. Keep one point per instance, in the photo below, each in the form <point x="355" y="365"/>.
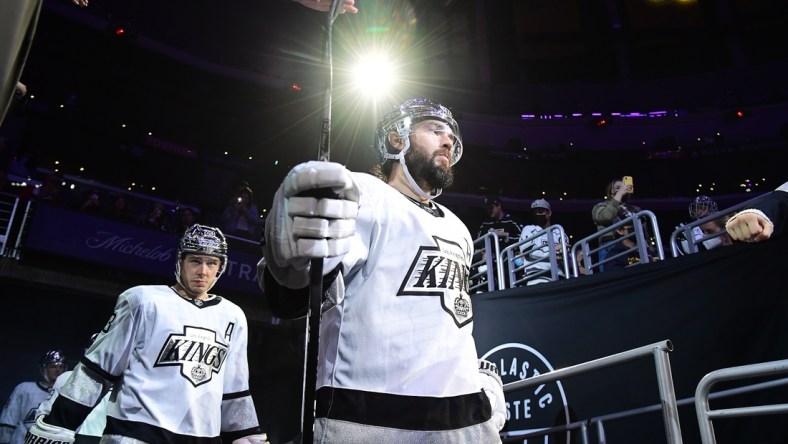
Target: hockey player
<point x="397" y="359"/>
<point x="93" y="427"/>
<point x="175" y="357"/>
<point x="537" y="250"/>
<point x="19" y="411"/>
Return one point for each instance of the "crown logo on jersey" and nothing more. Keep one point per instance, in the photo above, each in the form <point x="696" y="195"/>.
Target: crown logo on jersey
<point x="441" y="270"/>
<point x="196" y="351"/>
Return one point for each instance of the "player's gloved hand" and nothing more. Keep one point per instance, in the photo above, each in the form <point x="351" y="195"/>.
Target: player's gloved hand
<point x="749" y="225"/>
<point x="493" y="388"/>
<point x="261" y="438"/>
<point x="45" y="433"/>
<point x="313" y="216"/>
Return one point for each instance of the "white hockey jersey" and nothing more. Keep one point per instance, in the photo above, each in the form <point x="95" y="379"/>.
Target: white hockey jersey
<point x="179" y="369"/>
<point x="405" y="324"/>
<point x="538" y="249"/>
<point x="19" y="412"/>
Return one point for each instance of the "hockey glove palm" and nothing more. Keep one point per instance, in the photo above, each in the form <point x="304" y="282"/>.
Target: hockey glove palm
<point x="45" y="433"/>
<point x="305" y="224"/>
<point x="493" y="388"/>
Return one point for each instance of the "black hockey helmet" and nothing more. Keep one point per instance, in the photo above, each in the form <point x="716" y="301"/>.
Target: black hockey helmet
<point x="202" y="239"/>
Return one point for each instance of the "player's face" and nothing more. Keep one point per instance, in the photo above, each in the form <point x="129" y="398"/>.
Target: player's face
<point x="429" y="157"/>
<point x="198" y="273"/>
<point x="52" y="370"/>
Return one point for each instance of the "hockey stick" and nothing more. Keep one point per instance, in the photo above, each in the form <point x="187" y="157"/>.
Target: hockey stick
<point x="316" y="268"/>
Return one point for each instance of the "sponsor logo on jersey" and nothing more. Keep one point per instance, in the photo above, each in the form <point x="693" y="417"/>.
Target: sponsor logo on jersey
<point x="196" y="351"/>
<point x="532" y="408"/>
<point x="441" y="270"/>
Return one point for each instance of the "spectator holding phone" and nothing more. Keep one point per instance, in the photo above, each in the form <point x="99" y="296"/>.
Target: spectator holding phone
<point x="616" y="207"/>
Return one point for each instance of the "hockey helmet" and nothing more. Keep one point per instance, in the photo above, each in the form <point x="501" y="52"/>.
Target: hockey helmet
<point x="702" y="206"/>
<point x="411" y="111"/>
<point x="202" y="239"/>
<point x="52" y="357"/>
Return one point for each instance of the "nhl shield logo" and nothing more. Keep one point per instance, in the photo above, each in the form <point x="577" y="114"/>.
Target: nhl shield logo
<point x="196" y="351"/>
<point x="441" y="270"/>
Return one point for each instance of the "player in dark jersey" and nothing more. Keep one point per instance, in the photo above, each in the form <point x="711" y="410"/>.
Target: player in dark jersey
<point x="397" y="359"/>
<point x="175" y="357"/>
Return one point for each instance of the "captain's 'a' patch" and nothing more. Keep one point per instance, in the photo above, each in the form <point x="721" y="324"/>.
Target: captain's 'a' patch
<point x="196" y="351"/>
<point x="442" y="271"/>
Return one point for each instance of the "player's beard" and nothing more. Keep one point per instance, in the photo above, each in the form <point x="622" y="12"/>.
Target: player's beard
<point x="424" y="169"/>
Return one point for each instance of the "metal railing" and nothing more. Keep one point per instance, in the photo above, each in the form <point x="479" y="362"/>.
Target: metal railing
<point x="659" y="351"/>
<point x="486" y="272"/>
<point x="522" y="260"/>
<point x="706" y="414"/>
<point x="683" y="236"/>
<point x="641" y="221"/>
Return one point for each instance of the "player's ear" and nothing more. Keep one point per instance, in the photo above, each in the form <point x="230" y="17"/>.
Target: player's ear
<point x="396" y="141"/>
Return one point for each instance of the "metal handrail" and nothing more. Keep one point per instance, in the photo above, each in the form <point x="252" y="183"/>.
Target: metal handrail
<point x="658" y="350"/>
<point x="706" y="414"/>
<point x="487" y="247"/>
<point x="510" y="256"/>
<point x="639" y="235"/>
<point x="686" y="229"/>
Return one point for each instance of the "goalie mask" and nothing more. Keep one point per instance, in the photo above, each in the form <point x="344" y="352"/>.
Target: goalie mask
<point x="400" y="121"/>
<point x="702" y="206"/>
<point x="204" y="240"/>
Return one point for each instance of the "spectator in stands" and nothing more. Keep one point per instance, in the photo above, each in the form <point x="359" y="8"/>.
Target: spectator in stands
<point x="537" y="250"/>
<point x="156" y="217"/>
<point x="91" y="202"/>
<point x="184" y="218"/>
<point x="240" y="216"/>
<point x="715" y="226"/>
<point x="581" y="265"/>
<point x="700" y="207"/>
<point x="500" y="222"/>
<point x="120" y="209"/>
<point x="50" y="191"/>
<point x="615" y="208"/>
<point x="624" y="245"/>
<point x="766" y="219"/>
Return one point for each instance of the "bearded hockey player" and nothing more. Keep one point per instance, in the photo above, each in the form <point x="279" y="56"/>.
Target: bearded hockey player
<point x="19" y="411"/>
<point x="397" y="359"/>
<point x="175" y="357"/>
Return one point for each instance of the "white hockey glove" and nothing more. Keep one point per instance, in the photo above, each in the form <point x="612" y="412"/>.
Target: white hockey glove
<point x="262" y="438"/>
<point x="45" y="433"/>
<point x="749" y="225"/>
<point x="302" y="227"/>
<point x="493" y="388"/>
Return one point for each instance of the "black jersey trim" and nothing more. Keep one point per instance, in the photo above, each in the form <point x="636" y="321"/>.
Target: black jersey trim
<point x="98" y="370"/>
<point x="67" y="413"/>
<point x="431" y="208"/>
<point x="412" y="412"/>
<point x="153" y="434"/>
<point x="236" y="395"/>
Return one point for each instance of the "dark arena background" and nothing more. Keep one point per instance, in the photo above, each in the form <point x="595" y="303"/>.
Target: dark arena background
<point x="181" y="103"/>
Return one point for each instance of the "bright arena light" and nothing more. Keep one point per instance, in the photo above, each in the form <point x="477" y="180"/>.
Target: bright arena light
<point x="374" y="75"/>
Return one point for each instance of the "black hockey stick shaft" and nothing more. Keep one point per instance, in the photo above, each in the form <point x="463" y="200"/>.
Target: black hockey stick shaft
<point x="316" y="268"/>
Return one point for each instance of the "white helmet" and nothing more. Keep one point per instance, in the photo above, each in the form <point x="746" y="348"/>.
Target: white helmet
<point x="400" y="121"/>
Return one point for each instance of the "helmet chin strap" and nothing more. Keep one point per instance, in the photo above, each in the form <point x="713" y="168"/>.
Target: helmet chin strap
<point x="400" y="157"/>
<point x="185" y="288"/>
